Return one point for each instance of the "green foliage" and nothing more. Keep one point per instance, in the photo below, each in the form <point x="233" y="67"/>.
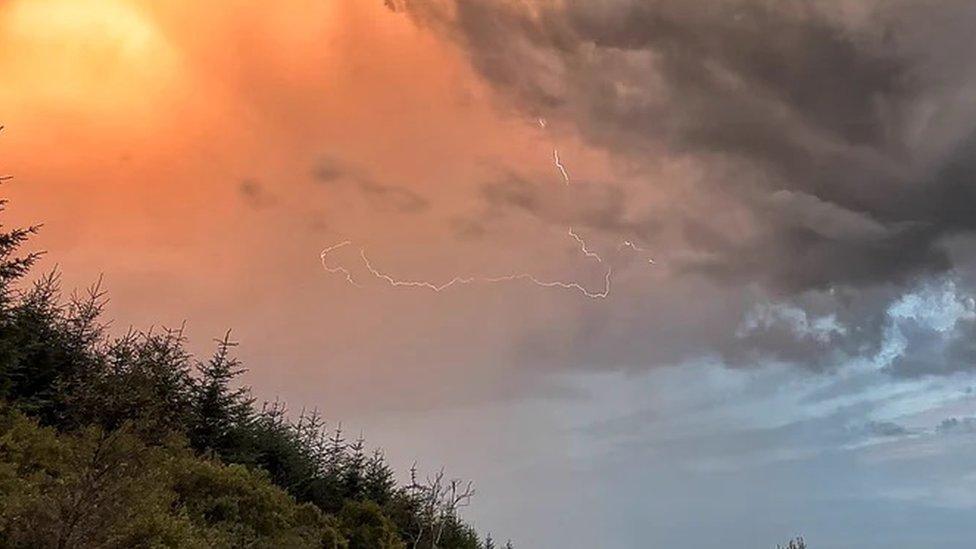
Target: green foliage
<point x="457" y="534"/>
<point x="365" y="526"/>
<point x="43" y="345"/>
<point x="110" y="489"/>
<point x="218" y="410"/>
<point x="93" y="488"/>
<point x="130" y="441"/>
<point x="237" y="506"/>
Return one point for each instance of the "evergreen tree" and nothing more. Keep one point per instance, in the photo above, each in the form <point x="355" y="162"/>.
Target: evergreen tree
<point x="116" y="405"/>
<point x="378" y="483"/>
<point x="354" y="470"/>
<point x="335" y="453"/>
<point x="219" y="410"/>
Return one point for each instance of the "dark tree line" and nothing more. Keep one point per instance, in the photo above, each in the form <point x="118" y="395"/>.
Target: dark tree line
<point x="130" y="441"/>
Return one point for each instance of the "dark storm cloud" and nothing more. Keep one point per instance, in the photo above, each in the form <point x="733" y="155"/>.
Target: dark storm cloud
<point x="796" y="97"/>
<point x="833" y="147"/>
<point x="600" y="206"/>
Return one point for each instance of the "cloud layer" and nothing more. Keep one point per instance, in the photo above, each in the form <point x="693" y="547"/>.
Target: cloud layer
<point x="831" y="142"/>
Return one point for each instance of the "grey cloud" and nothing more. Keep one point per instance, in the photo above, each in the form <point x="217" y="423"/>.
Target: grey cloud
<point x="599" y="206"/>
<point x="774" y="97"/>
<point x="953" y="425"/>
<point x="331" y="171"/>
<point x="932" y="352"/>
<point x="833" y="152"/>
<point x="885" y="429"/>
<point x="465" y="228"/>
<point x="397" y="198"/>
<point x="255" y="194"/>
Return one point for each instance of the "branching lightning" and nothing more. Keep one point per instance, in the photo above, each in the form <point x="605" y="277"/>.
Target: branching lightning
<point x="465" y="280"/>
<point x="583" y="248"/>
<point x="337" y="270"/>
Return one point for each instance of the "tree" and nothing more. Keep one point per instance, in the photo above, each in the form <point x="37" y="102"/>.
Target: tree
<point x="91" y="489"/>
<point x="434" y="506"/>
<point x="130" y="441"/>
<point x="142" y="379"/>
<point x="795" y="543"/>
<point x="378" y="482"/>
<point x="240" y="507"/>
<point x="353" y="472"/>
<point x="366" y="527"/>
<point x="219" y="410"/>
<point x="98" y="488"/>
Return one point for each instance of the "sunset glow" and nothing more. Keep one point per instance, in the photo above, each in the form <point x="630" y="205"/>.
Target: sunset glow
<point x="653" y="273"/>
<point x="102" y="58"/>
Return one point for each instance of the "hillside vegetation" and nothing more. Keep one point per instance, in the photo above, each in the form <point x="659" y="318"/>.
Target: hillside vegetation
<point x="130" y="441"/>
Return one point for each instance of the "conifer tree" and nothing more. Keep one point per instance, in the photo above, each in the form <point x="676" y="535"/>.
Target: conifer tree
<point x="354" y="470"/>
<point x="335" y="454"/>
<point x="219" y="408"/>
<point x="378" y="483"/>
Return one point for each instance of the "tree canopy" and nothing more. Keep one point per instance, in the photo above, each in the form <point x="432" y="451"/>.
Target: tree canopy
<point x="131" y="441"/>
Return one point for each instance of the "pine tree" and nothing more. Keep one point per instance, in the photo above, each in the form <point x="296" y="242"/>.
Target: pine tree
<point x="379" y="483"/>
<point x="335" y="454"/>
<point x="58" y="366"/>
<point x="354" y="470"/>
<point x="489" y="542"/>
<point x="220" y="410"/>
<point x="311" y="434"/>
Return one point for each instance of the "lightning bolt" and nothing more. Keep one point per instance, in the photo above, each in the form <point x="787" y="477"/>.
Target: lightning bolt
<point x="559" y="165"/>
<point x="324" y="256"/>
<point x="583" y="247"/>
<point x="465" y="280"/>
<point x="461" y="280"/>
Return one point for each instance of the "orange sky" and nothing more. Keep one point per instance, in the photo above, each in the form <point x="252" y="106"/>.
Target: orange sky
<point x="132" y="126"/>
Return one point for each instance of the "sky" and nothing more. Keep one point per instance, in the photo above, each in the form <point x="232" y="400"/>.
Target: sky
<point x="652" y="273"/>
